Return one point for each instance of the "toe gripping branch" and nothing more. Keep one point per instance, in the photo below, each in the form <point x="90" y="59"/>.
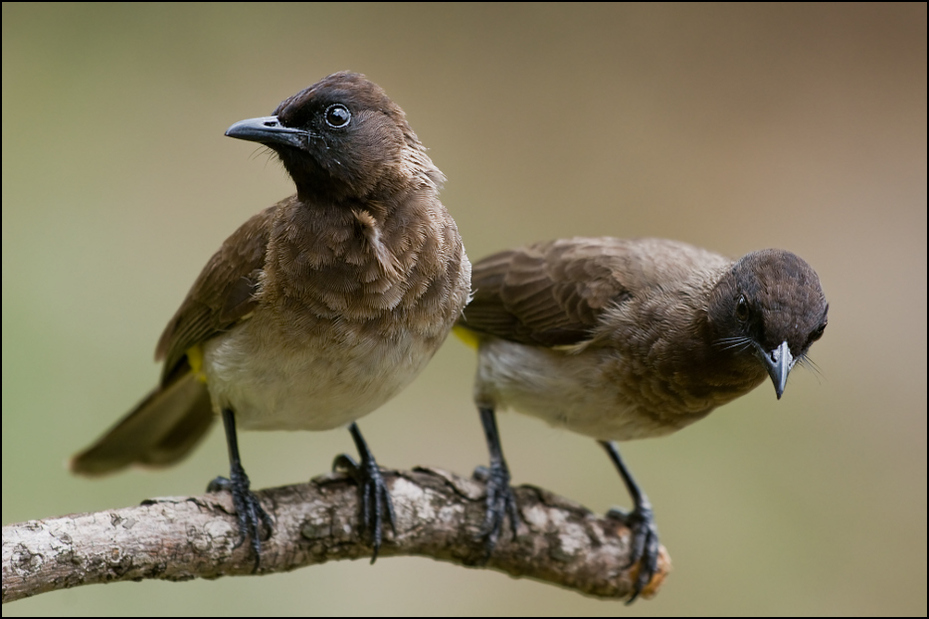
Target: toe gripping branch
<point x="640" y="521"/>
<point x="251" y="515"/>
<point x="500" y="498"/>
<point x="375" y="498"/>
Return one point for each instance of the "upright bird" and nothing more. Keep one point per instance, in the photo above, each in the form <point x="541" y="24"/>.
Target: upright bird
<point x="625" y="339"/>
<point x="316" y="310"/>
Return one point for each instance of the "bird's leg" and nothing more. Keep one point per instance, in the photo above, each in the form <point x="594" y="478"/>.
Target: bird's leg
<point x="500" y="498"/>
<point x="373" y="490"/>
<point x="640" y="521"/>
<point x="248" y="509"/>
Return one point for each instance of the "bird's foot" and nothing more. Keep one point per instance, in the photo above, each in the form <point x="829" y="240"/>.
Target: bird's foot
<point x="251" y="515"/>
<point x="644" y="543"/>
<point x="500" y="502"/>
<point x="375" y="499"/>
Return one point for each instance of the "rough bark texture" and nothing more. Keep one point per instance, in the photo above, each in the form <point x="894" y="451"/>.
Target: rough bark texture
<point x="439" y="515"/>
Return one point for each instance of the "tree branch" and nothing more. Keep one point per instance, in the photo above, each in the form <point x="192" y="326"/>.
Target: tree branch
<point x="439" y="515"/>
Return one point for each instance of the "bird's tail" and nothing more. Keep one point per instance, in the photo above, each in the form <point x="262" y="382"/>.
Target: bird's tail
<point x="161" y="430"/>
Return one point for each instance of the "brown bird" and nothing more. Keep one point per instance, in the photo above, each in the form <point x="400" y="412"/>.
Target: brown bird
<point x="316" y="310"/>
<point x="624" y="339"/>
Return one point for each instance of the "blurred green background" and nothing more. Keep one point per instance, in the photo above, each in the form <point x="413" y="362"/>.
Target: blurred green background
<point x="733" y="127"/>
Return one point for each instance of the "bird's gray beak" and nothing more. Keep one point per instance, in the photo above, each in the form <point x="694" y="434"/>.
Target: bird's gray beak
<point x="269" y="131"/>
<point x="778" y="362"/>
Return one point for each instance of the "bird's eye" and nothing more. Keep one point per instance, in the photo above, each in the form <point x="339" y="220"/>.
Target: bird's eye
<point x="741" y="309"/>
<point x="818" y="333"/>
<point x="338" y="116"/>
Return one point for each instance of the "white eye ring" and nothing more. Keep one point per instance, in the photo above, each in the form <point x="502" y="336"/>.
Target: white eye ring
<point x="337" y="116"/>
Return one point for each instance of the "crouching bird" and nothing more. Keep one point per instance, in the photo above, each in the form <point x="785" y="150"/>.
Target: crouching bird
<point x="624" y="339"/>
<point x="316" y="310"/>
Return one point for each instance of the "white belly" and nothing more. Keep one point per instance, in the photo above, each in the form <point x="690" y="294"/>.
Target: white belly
<point x="572" y="391"/>
<point x="273" y="382"/>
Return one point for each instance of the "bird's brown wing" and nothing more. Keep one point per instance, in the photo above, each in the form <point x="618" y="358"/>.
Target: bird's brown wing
<point x="550" y="293"/>
<point x="166" y="425"/>
<point x="222" y="295"/>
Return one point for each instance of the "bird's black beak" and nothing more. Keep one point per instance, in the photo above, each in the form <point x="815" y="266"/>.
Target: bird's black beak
<point x="778" y="362"/>
<point x="269" y="131"/>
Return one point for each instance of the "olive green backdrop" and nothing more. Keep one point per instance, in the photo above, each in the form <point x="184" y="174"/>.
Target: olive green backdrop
<point x="733" y="127"/>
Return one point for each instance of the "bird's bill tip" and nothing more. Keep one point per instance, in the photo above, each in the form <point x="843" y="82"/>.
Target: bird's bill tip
<point x="778" y="362"/>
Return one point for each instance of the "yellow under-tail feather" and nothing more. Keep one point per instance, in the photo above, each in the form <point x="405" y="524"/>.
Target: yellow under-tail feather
<point x="467" y="336"/>
<point x="195" y="359"/>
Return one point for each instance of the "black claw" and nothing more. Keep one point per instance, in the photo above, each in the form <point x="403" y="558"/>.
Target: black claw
<point x="644" y="544"/>
<point x="500" y="502"/>
<point x="500" y="498"/>
<point x="375" y="498"/>
<point x="249" y="512"/>
<point x="640" y="522"/>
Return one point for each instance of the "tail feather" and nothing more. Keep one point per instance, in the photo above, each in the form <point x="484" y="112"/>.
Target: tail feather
<point x="161" y="430"/>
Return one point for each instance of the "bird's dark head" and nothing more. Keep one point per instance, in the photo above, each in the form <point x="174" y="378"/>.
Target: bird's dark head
<point x="343" y="139"/>
<point x="769" y="305"/>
